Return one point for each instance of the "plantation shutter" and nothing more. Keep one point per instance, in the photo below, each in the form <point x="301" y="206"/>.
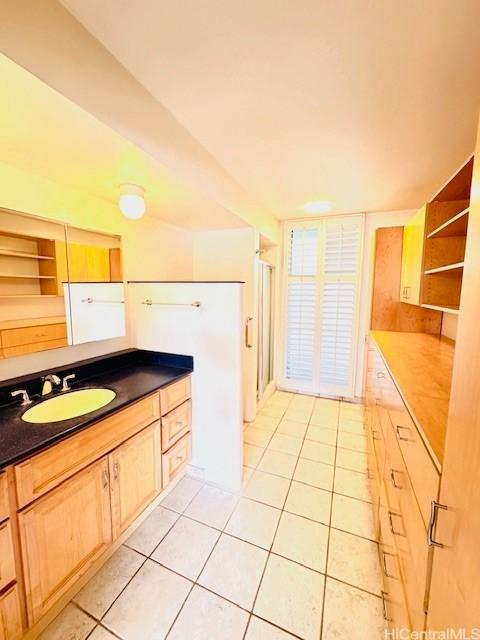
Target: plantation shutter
<point x="321" y="295"/>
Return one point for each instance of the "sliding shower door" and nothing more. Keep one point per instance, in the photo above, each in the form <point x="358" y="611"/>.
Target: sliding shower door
<point x="265" y="327"/>
<point x="320" y="302"/>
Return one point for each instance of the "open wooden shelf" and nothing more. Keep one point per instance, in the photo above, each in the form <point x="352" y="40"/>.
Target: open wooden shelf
<point x="21" y="254"/>
<point x="444" y="308"/>
<point x="26" y="276"/>
<point x="27" y="295"/>
<point x="456" y="267"/>
<point x="455" y="226"/>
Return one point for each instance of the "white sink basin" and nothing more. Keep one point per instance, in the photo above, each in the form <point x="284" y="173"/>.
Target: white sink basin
<point x="69" y="405"/>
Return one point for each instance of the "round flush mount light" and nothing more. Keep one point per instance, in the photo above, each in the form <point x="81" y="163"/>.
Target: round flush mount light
<point x="317" y="206"/>
<point x="132" y="201"/>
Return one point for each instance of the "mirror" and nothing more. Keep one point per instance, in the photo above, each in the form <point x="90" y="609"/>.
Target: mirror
<point x="59" y="285"/>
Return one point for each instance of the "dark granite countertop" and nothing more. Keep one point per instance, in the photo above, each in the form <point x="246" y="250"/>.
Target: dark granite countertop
<point x="132" y="374"/>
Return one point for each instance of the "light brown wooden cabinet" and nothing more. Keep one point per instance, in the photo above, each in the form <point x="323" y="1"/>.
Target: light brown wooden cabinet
<point x="10" y="615"/>
<point x="62" y="534"/>
<point x="135" y="476"/>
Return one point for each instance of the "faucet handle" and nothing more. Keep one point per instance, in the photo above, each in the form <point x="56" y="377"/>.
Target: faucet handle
<point x="65" y="386"/>
<point x="24" y="394"/>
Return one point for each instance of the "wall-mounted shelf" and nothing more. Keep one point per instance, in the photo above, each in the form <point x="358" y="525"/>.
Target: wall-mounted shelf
<point x="22" y="254"/>
<point x="26" y="295"/>
<point x="443" y="308"/>
<point x="26" y="276"/>
<point x="455" y="226"/>
<point x="456" y="267"/>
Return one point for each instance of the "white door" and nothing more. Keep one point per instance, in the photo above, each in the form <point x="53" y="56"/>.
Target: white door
<point x="320" y="302"/>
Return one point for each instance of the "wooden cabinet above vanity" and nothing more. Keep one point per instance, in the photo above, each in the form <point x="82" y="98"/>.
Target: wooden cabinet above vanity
<point x="64" y="509"/>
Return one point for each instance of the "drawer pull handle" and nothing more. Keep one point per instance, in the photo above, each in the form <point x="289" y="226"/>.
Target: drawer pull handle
<point x="435" y="506"/>
<point x="179" y="458"/>
<point x="105" y="479"/>
<point x="392" y="478"/>
<point x="180" y="424"/>
<point x="374" y="434"/>
<point x="40" y="335"/>
<point x="386" y="617"/>
<point x="116" y="470"/>
<point x="384" y="563"/>
<point x="380" y="374"/>
<point x="390" y="521"/>
<point x="399" y="433"/>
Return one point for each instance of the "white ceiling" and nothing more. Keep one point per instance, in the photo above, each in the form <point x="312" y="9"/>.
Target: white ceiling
<point x="45" y="134"/>
<point x="371" y="104"/>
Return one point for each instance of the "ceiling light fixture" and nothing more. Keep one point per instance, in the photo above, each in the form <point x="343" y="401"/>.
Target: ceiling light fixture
<point x="132" y="201"/>
<point x="317" y="206"/>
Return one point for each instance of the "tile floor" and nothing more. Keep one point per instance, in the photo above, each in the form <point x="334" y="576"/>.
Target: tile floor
<point x="293" y="556"/>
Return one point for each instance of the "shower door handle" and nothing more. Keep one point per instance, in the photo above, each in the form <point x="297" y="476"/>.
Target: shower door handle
<point x="249" y="332"/>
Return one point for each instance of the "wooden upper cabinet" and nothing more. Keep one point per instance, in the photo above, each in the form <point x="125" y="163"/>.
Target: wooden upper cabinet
<point x="412" y="258"/>
<point x="62" y="534"/>
<point x="135" y="473"/>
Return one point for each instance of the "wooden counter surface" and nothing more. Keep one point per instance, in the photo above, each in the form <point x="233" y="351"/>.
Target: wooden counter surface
<point x="421" y="367"/>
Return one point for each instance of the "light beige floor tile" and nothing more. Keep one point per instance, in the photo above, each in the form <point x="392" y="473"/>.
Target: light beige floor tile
<point x="351" y="426"/>
<point x="327" y="402"/>
<point x="353" y="460"/>
<point x="234" y="570"/>
<point x="267" y="488"/>
<point x="291" y="428"/>
<point x="246" y="475"/>
<point x="285" y="444"/>
<point x="71" y="623"/>
<point x="101" y="590"/>
<point x="279" y="400"/>
<point x="352" y="441"/>
<point x="350" y="613"/>
<point x="318" y="451"/>
<point x="297" y="415"/>
<point x="212" y="506"/>
<point x="322" y="434"/>
<point x="354" y="411"/>
<point x="261" y="630"/>
<point x="290" y="596"/>
<point x="186" y="547"/>
<point x="273" y="410"/>
<point x="265" y="423"/>
<point x="302" y="540"/>
<point x="182" y="494"/>
<point x="257" y="437"/>
<point x="352" y="483"/>
<point x="325" y="419"/>
<point x="206" y="616"/>
<point x="99" y="633"/>
<point x="317" y="474"/>
<point x="254" y="522"/>
<point x="354" y="560"/>
<point x="353" y="515"/>
<point x="280" y="464"/>
<point x="146" y="537"/>
<point x="310" y="502"/>
<point x="252" y="455"/>
<point x="148" y="606"/>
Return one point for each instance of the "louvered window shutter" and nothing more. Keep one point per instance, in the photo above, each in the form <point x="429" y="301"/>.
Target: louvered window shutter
<point x="323" y="264"/>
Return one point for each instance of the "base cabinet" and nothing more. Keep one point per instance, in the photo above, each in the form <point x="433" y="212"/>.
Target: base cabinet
<point x="62" y="534"/>
<point x="10" y="616"/>
<point x="135" y="476"/>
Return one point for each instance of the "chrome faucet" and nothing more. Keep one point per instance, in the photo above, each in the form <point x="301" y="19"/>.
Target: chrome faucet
<point x="48" y="382"/>
<point x="65" y="385"/>
<point x="24" y="394"/>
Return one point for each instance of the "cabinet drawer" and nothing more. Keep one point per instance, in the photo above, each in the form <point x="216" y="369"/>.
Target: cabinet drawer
<point x="7" y="558"/>
<point x="176" y="459"/>
<point x="43" y="472"/>
<point x="29" y="335"/>
<point x="176" y="424"/>
<point x="4" y="508"/>
<point x="175" y="394"/>
<point x="34" y="347"/>
<point x="424" y="477"/>
<point x="10" y="615"/>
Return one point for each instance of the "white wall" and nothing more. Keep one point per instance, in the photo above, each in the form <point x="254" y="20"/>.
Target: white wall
<point x="231" y="255"/>
<point x="449" y="326"/>
<point x="373" y="221"/>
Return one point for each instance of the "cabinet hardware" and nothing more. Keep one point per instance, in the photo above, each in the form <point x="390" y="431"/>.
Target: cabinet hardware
<point x="40" y="335"/>
<point x="248" y="333"/>
<point x="407" y="294"/>
<point x="435" y="506"/>
<point x="392" y="478"/>
<point x="378" y="402"/>
<point x="384" y="607"/>
<point x="105" y="479"/>
<point x="380" y="374"/>
<point x="179" y="458"/>
<point x="180" y="424"/>
<point x="384" y="564"/>
<point x="374" y="434"/>
<point x="399" y="428"/>
<point x="116" y="470"/>
<point x="149" y="303"/>
<point x="390" y="522"/>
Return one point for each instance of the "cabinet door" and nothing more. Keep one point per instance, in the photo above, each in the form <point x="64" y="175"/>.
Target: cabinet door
<point x="10" y="616"/>
<point x="135" y="472"/>
<point x="62" y="534"/>
<point x="412" y="258"/>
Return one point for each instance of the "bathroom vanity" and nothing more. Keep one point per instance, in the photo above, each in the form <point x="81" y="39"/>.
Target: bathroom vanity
<point x="70" y="490"/>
